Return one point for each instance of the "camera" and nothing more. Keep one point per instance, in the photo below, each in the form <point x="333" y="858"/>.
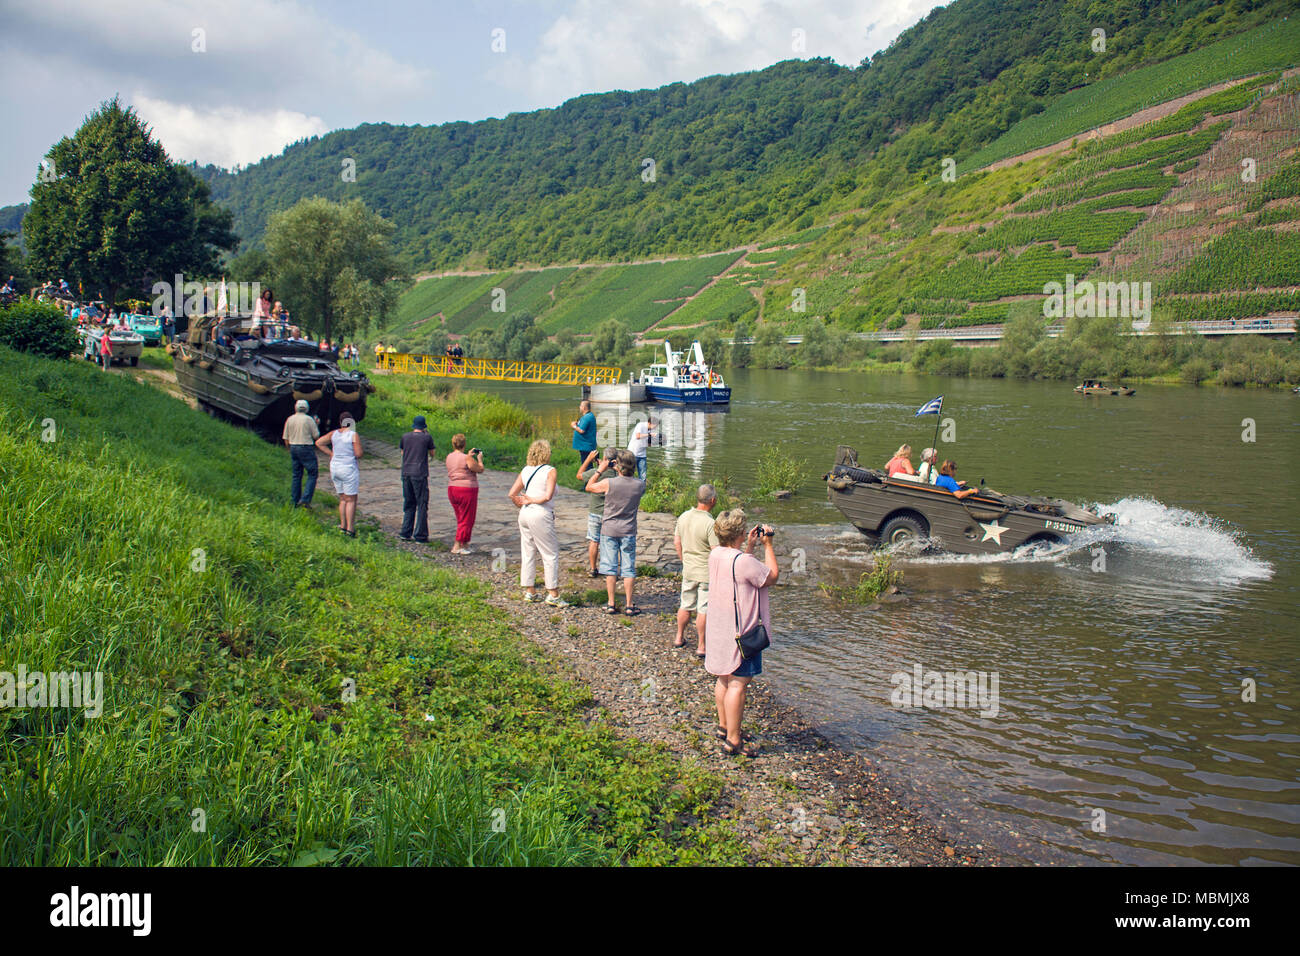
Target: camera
<point x="473" y="451"/>
<point x="762" y="533"/>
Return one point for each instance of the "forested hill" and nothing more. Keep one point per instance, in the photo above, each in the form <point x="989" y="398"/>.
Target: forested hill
<point x="736" y="157"/>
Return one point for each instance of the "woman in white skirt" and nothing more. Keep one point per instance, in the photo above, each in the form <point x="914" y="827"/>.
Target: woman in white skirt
<point x="344" y="447"/>
<point x="533" y="493"/>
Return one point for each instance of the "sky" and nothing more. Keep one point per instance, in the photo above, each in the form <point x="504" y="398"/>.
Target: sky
<point x="232" y="81"/>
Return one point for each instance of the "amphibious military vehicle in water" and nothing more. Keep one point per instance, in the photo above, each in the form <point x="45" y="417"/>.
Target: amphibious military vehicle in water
<point x="899" y="509"/>
<point x="257" y="381"/>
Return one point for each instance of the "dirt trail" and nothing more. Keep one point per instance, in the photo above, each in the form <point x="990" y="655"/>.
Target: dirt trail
<point x="497" y="522"/>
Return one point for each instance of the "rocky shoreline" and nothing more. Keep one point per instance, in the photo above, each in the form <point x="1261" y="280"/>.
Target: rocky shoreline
<point x="801" y="801"/>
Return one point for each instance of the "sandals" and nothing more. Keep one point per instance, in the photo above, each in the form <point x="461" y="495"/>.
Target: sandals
<point x="631" y="610"/>
<point x="742" y="749"/>
<point x="610" y="609"/>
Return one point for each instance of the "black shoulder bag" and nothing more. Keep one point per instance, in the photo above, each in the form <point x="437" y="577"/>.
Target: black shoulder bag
<point x="753" y="641"/>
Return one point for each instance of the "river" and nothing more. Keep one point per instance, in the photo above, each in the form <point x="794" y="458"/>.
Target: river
<point x="1148" y="709"/>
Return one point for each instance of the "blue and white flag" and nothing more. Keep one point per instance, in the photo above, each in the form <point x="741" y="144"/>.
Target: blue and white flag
<point x="931" y="407"/>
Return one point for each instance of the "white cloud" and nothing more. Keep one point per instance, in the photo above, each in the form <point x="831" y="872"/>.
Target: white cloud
<point x="226" y="135"/>
<point x="647" y="43"/>
<point x="252" y="49"/>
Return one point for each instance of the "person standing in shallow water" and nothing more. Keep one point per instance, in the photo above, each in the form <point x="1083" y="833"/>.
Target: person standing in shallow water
<point x="739" y="584"/>
<point x="417" y="446"/>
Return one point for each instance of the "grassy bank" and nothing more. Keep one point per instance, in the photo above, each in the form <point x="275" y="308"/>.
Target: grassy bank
<point x="153" y="545"/>
<point x="502" y="429"/>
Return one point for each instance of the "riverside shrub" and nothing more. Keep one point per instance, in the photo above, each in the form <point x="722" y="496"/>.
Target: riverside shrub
<point x="38" y="328"/>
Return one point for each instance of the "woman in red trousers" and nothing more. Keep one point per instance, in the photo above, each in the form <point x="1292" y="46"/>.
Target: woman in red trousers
<point x="463" y="469"/>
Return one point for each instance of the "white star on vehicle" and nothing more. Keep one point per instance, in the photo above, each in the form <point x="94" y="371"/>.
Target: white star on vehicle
<point x="993" y="532"/>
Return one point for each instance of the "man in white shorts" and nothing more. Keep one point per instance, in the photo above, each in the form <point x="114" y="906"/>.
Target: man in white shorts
<point x="694" y="538"/>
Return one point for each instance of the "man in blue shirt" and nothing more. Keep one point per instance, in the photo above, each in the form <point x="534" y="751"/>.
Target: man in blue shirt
<point x="947" y="480"/>
<point x="584" y="431"/>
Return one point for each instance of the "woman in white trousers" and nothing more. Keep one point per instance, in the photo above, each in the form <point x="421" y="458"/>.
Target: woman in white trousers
<point x="533" y="493"/>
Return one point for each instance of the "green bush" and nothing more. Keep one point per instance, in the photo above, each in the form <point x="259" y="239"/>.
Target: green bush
<point x="777" y="470"/>
<point x="39" y="328"/>
<point x="1196" y="371"/>
<point x="671" y="489"/>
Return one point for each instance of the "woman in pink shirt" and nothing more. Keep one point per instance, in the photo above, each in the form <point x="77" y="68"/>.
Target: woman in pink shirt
<point x="462" y="490"/>
<point x="733" y="610"/>
<point x="901" y="462"/>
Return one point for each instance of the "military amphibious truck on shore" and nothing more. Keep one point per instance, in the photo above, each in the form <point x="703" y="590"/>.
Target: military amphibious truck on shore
<point x="257" y="381"/>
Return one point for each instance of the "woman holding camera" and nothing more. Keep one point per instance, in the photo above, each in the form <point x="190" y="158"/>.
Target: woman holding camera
<point x="738" y="600"/>
<point x="463" y="470"/>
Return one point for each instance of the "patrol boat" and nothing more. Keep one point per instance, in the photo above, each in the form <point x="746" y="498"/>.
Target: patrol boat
<point x="257" y="381"/>
<point x="683" y="379"/>
<point x="892" y="511"/>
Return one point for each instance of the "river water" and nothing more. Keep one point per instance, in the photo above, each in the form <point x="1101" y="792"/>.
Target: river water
<point x="1147" y="707"/>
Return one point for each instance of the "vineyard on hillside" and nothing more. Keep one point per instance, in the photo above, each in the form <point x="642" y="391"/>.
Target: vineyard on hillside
<point x="1165" y="202"/>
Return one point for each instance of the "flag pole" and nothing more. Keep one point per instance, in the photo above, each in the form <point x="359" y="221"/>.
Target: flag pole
<point x="938" y="417"/>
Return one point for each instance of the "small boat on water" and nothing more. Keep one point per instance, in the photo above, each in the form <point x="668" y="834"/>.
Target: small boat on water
<point x="1092" y="386"/>
<point x="902" y="508"/>
<point x="684" y="378"/>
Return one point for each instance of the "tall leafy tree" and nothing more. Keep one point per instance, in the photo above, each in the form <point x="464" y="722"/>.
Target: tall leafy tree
<point x="335" y="264"/>
<point x="12" y="261"/>
<point x="111" y="210"/>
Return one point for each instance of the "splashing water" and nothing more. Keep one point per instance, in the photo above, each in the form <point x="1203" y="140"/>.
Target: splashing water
<point x="1182" y="543"/>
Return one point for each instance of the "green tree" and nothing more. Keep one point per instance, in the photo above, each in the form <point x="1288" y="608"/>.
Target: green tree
<point x="13" y="262"/>
<point x="711" y="344"/>
<point x="770" y="350"/>
<point x="740" y="350"/>
<point x="335" y="265"/>
<point x="1019" y="337"/>
<point x="611" y="343"/>
<point x="815" y="350"/>
<point x="109" y="210"/>
<point x="251" y="265"/>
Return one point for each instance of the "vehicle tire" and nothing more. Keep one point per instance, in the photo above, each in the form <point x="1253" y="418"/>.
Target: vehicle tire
<point x="902" y="528"/>
<point x="134" y="361"/>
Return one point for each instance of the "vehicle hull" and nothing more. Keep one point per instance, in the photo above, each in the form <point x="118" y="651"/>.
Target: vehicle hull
<point x="695" y="395"/>
<point x="622" y="394"/>
<point x="257" y="387"/>
<point x="984" y="523"/>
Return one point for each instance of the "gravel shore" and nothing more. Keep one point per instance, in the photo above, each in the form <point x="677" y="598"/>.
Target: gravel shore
<point x="800" y="801"/>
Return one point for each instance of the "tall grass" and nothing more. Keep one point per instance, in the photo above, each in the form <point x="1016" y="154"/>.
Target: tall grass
<point x="156" y="546"/>
<point x="673" y="489"/>
<point x="502" y="429"/>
